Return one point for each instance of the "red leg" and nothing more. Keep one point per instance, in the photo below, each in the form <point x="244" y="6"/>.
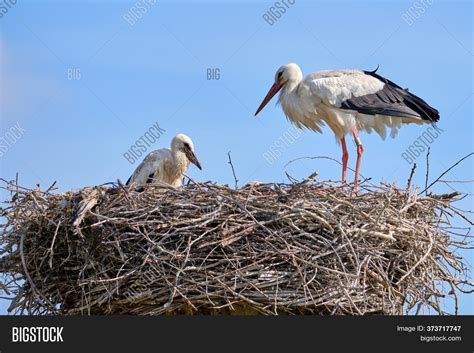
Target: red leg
<point x="360" y="151"/>
<point x="345" y="157"/>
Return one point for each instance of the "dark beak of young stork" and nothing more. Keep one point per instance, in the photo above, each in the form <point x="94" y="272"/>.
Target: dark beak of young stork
<point x="192" y="158"/>
<point x="273" y="90"/>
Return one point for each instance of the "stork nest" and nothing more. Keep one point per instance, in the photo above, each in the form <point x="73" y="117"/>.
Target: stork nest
<point x="211" y="249"/>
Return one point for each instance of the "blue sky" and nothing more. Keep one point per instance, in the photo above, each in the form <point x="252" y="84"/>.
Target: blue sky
<point x="132" y="76"/>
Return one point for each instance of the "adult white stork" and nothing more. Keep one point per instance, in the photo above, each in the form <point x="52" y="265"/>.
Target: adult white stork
<point x="347" y="101"/>
<point x="166" y="165"/>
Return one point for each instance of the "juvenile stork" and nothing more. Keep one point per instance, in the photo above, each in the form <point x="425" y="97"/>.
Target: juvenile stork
<point x="166" y="165"/>
<point x="347" y="101"/>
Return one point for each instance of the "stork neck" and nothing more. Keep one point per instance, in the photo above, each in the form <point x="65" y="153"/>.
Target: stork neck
<point x="288" y="95"/>
<point x="290" y="85"/>
<point x="181" y="161"/>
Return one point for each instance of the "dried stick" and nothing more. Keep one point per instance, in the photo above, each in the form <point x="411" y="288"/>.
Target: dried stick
<point x="446" y="171"/>
<point x="233" y="171"/>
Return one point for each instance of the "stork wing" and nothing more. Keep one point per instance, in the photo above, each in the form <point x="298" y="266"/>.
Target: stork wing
<point x="369" y="93"/>
<point x="148" y="169"/>
<point x="150" y="178"/>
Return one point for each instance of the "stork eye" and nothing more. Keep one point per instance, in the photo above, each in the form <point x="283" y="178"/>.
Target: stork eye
<point x="186" y="146"/>
<point x="279" y="74"/>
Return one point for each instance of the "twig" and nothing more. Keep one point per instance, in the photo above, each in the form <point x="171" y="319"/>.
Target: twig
<point x="233" y="171"/>
<point x="411" y="176"/>
<point x="446" y="171"/>
<point x="427" y="170"/>
<point x="269" y="248"/>
<point x="328" y="158"/>
<point x="27" y="274"/>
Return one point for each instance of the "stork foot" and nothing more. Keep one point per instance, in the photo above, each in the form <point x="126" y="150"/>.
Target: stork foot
<point x="360" y="151"/>
<point x="329" y="188"/>
<point x="354" y="191"/>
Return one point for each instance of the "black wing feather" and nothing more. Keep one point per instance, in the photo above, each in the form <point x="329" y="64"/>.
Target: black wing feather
<point x="392" y="100"/>
<point x="150" y="178"/>
<point x="148" y="181"/>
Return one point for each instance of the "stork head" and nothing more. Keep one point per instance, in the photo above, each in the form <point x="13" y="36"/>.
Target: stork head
<point x="285" y="74"/>
<point x="182" y="143"/>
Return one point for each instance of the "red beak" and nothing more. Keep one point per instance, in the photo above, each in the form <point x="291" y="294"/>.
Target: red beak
<point x="273" y="90"/>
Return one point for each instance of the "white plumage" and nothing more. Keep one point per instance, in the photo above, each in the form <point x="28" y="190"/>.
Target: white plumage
<point x="347" y="101"/>
<point x="166" y="165"/>
<point x="317" y="100"/>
